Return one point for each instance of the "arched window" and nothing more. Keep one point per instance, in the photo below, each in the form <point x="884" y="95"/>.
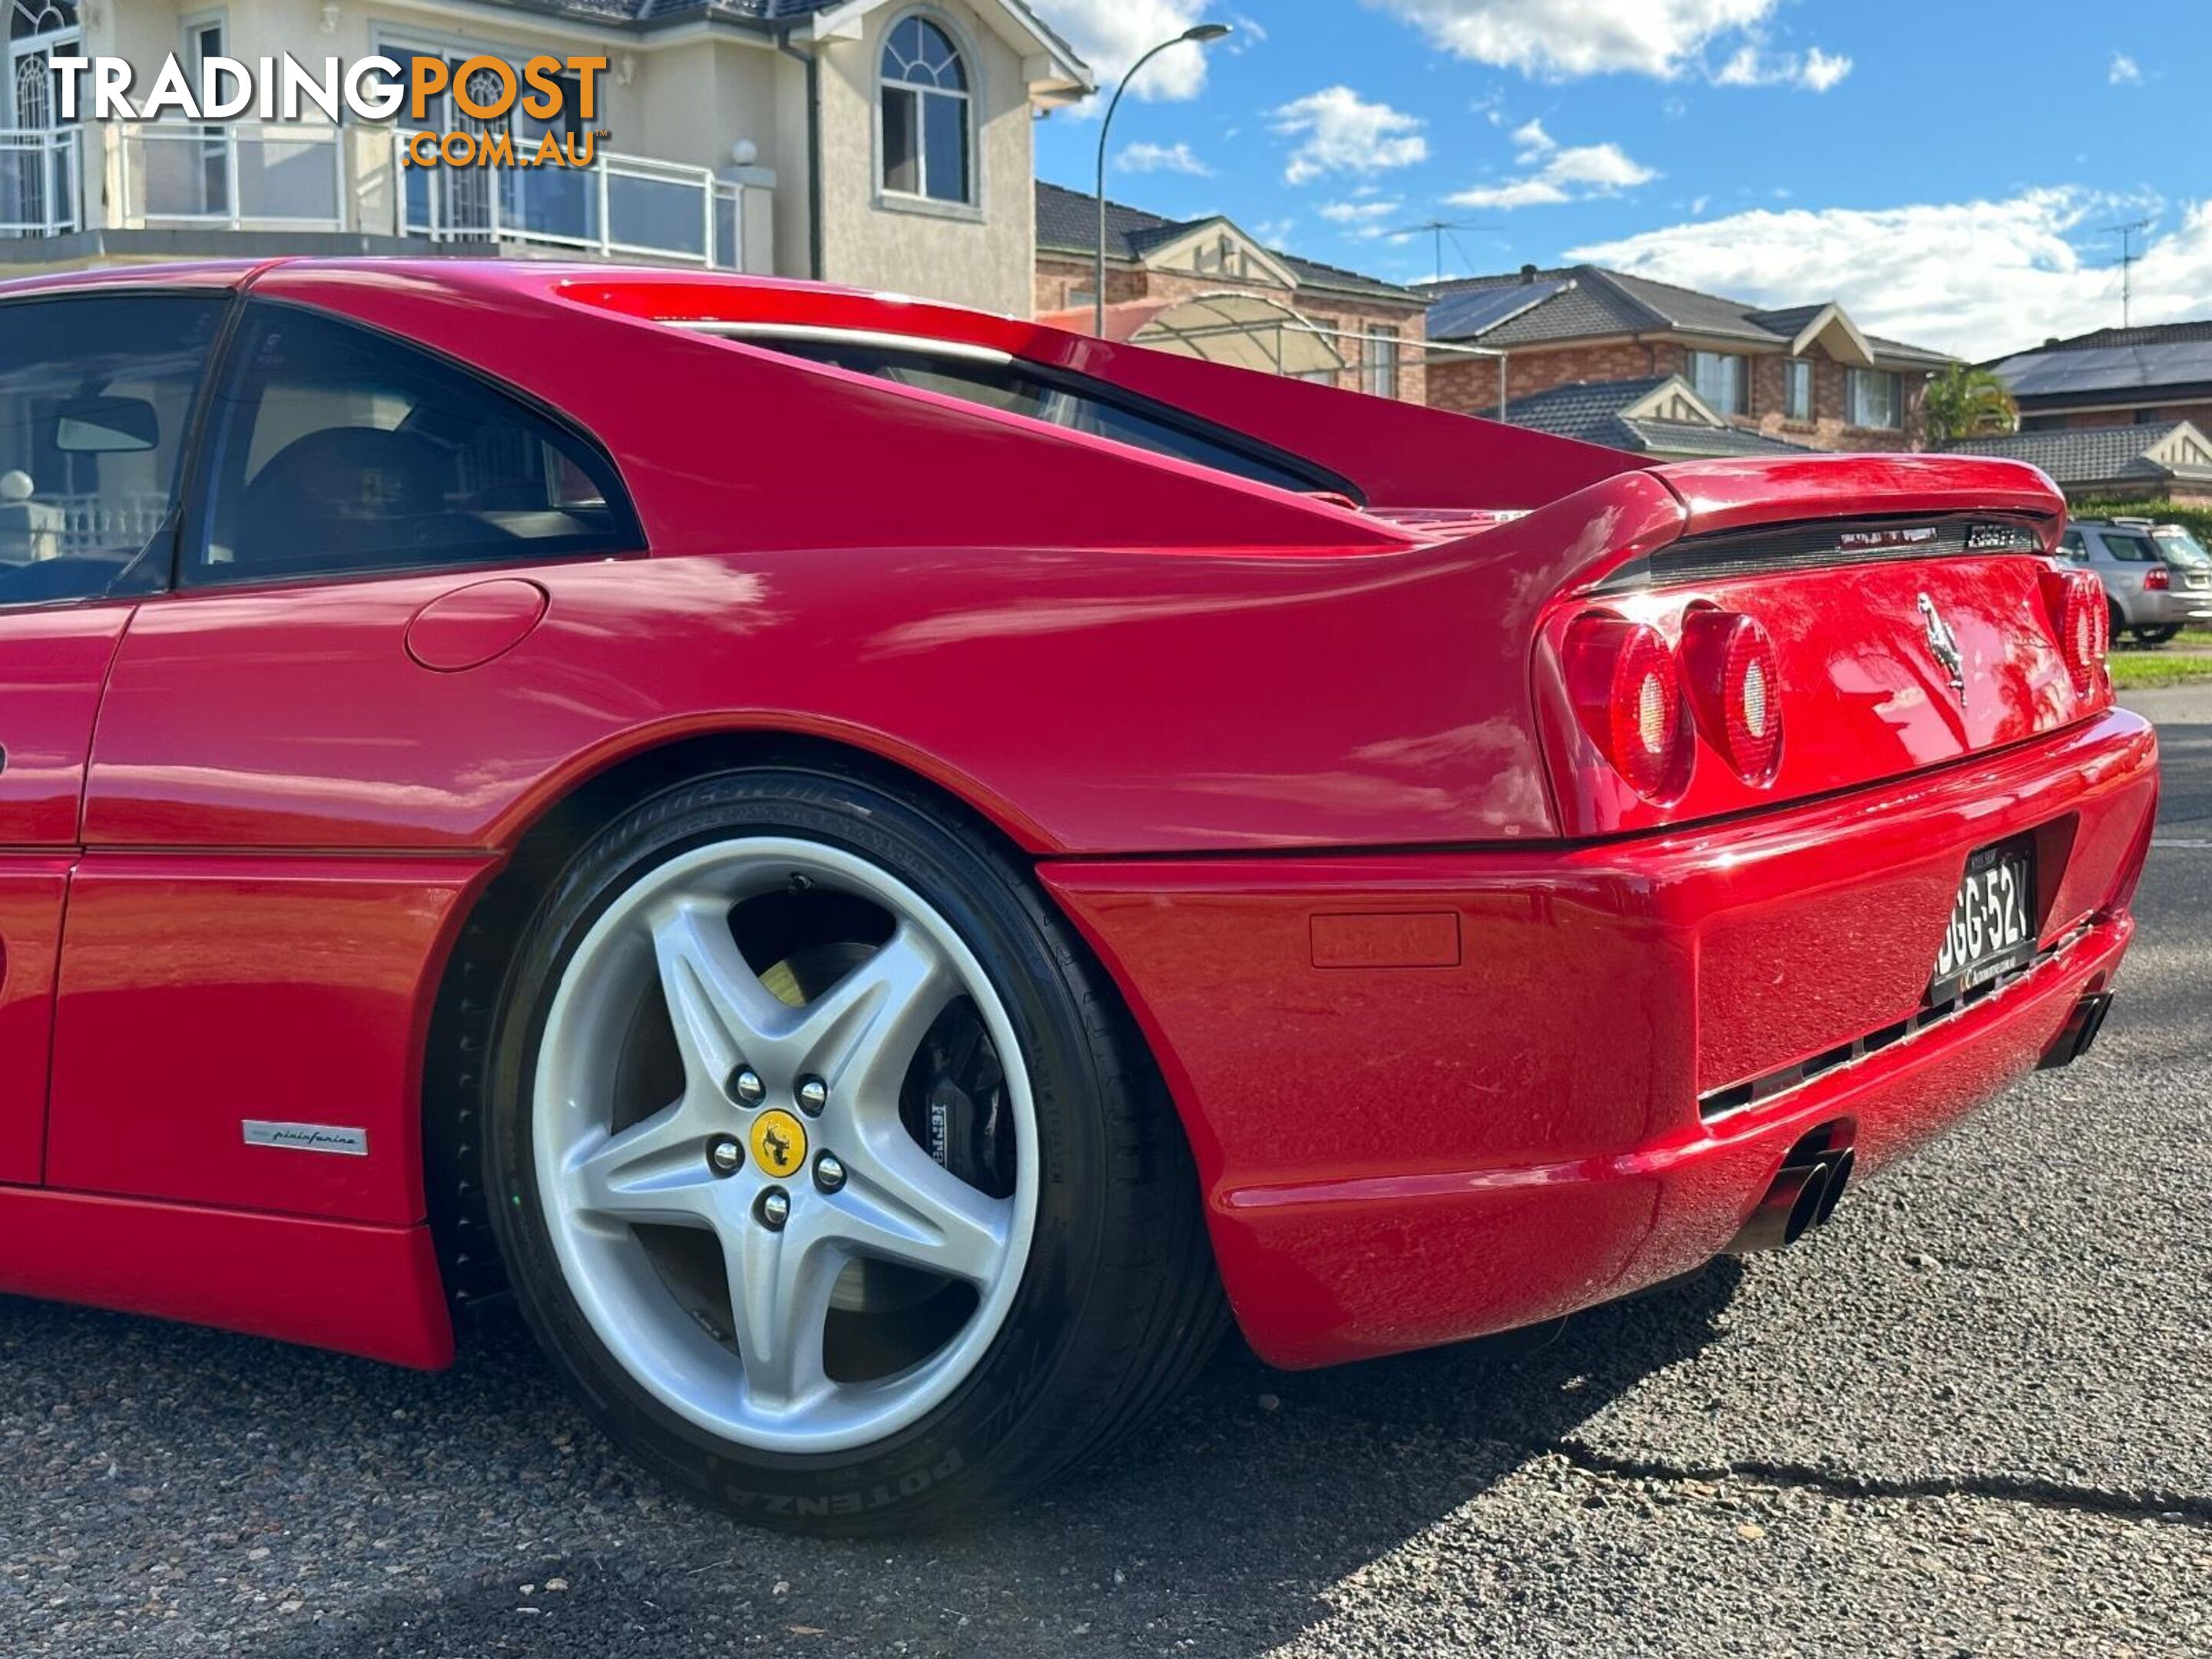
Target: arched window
<point x="30" y="17"/>
<point x="927" y="142"/>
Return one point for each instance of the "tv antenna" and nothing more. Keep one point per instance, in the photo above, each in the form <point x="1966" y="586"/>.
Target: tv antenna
<point x="2127" y="234"/>
<point x="1438" y="229"/>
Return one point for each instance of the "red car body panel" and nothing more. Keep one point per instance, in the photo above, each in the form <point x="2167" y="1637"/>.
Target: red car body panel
<point x="1436" y="996"/>
<point x="1405" y="1152"/>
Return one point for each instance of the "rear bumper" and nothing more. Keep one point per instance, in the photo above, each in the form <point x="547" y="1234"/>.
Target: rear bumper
<point x="1434" y="1095"/>
<point x="2188" y="607"/>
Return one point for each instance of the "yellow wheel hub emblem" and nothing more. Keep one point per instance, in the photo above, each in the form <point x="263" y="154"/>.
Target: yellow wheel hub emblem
<point x="779" y="1142"/>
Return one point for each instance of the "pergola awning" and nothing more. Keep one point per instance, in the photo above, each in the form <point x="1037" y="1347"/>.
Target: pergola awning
<point x="1246" y="331"/>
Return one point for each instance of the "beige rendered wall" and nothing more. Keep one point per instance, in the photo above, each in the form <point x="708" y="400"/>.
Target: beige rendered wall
<point x="981" y="256"/>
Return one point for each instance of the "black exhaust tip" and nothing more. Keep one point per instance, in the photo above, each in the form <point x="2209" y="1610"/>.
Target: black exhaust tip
<point x="2079" y="1034"/>
<point x="1791" y="1208"/>
<point x="1838" y="1178"/>
<point x="1804" y="1194"/>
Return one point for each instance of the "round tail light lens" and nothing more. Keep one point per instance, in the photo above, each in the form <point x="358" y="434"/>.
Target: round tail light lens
<point x="1737" y="684"/>
<point x="2084" y="628"/>
<point x="1627" y="693"/>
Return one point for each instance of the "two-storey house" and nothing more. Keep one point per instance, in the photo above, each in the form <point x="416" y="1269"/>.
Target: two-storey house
<point x="1807" y="375"/>
<point x="881" y="142"/>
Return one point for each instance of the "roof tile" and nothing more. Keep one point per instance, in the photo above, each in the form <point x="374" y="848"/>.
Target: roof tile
<point x="1592" y="411"/>
<point x="2078" y="455"/>
<point x="1590" y="301"/>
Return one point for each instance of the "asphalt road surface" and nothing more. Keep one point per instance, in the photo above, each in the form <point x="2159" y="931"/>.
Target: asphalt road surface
<point x="1973" y="1417"/>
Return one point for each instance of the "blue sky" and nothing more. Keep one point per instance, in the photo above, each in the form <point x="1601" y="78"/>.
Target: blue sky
<point x="1946" y="168"/>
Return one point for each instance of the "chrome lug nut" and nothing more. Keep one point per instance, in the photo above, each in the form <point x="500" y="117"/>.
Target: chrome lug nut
<point x="829" y="1172"/>
<point x="725" y="1156"/>
<point x="813" y="1095"/>
<point x="746" y="1087"/>
<point x="774" y="1209"/>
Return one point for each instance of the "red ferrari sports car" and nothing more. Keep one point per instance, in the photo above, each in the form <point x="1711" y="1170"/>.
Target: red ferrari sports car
<point x="882" y="869"/>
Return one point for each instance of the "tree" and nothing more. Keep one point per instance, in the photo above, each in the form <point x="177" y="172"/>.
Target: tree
<point x="1964" y="402"/>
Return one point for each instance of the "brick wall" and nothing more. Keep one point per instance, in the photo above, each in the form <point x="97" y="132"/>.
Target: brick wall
<point x="2165" y="415"/>
<point x="1469" y="386"/>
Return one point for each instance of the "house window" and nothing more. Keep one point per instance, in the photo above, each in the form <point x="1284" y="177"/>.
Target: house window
<point x="1875" y="401"/>
<point x="1719" y="378"/>
<point x="927" y="140"/>
<point x="209" y="188"/>
<point x="1378" y="362"/>
<point x="1796" y="390"/>
<point x="27" y="18"/>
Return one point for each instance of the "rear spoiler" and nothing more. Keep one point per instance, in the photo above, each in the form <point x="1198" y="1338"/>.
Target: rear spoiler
<point x="1742" y="493"/>
<point x="1704" y="519"/>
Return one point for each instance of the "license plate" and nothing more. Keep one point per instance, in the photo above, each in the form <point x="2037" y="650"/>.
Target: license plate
<point x="1992" y="928"/>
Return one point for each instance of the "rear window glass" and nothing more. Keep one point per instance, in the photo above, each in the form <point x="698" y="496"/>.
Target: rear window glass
<point x="1059" y="400"/>
<point x="2130" y="549"/>
<point x="2181" y="549"/>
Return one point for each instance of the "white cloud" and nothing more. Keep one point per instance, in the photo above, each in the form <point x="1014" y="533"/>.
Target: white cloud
<point x="1978" y="278"/>
<point x="1751" y="65"/>
<point x="1160" y="158"/>
<point x="1823" y="69"/>
<point x="1556" y="38"/>
<point x="1357" y="213"/>
<point x="1366" y="219"/>
<point x="1109" y="35"/>
<point x="1341" y="132"/>
<point x="2125" y="71"/>
<point x="1273" y="232"/>
<point x="1551" y="175"/>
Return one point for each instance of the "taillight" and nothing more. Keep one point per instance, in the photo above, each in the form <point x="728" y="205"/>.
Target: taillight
<point x="2157" y="579"/>
<point x="1735" y="685"/>
<point x="2085" y="631"/>
<point x="1628" y="695"/>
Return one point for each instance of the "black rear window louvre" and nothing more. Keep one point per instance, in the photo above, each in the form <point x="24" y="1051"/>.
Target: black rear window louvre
<point x="1775" y="549"/>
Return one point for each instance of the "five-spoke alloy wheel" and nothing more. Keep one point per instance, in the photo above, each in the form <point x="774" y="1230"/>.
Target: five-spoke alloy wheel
<point x="825" y="1164"/>
<point x="787" y="1146"/>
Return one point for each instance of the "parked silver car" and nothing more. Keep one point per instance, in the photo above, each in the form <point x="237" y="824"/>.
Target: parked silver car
<point x="2157" y="579"/>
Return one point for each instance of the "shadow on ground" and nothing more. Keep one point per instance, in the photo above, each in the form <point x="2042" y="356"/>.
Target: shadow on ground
<point x="397" y="1514"/>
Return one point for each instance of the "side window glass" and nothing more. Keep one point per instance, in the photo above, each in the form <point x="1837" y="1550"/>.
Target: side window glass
<point x="1011" y="390"/>
<point x="95" y="396"/>
<point x="2130" y="550"/>
<point x="2071" y="546"/>
<point x="339" y="451"/>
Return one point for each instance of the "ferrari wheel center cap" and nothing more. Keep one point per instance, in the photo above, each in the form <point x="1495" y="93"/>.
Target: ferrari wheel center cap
<point x="779" y="1144"/>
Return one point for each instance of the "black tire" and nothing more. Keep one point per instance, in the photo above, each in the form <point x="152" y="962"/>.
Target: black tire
<point x="1119" y="1302"/>
<point x="2154" y="636"/>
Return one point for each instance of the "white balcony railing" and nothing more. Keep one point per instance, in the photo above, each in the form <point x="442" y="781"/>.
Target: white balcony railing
<point x="42" y="182"/>
<point x="310" y="178"/>
<point x="621" y="206"/>
<point x="240" y="175"/>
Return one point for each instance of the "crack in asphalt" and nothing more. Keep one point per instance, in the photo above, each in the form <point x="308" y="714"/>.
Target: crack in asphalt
<point x="2007" y="1489"/>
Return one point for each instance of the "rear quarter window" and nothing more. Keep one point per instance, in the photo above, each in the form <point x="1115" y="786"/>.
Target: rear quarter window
<point x="1063" y="400"/>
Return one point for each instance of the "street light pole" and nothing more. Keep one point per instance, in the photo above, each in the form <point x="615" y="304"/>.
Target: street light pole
<point x="1202" y="35"/>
